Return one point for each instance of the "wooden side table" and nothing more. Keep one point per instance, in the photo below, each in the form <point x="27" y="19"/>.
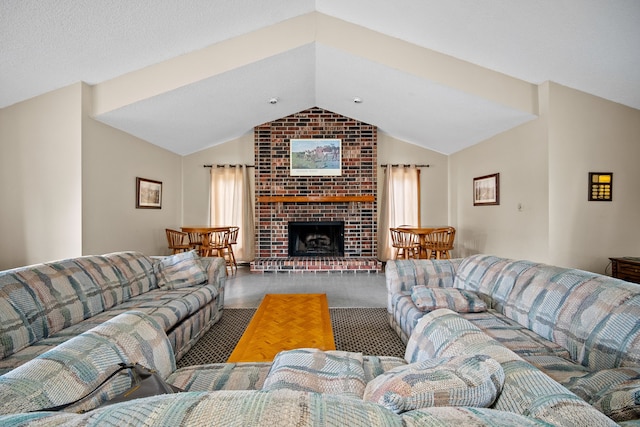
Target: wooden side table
<point x="626" y="268"/>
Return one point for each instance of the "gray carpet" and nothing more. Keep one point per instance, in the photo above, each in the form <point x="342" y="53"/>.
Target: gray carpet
<point x="364" y="330"/>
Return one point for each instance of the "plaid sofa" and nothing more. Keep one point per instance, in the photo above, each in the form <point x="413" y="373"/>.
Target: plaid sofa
<point x="304" y="387"/>
<point x="44" y="305"/>
<point x="582" y="329"/>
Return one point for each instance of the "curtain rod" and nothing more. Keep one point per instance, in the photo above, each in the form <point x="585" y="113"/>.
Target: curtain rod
<point x="221" y="166"/>
<point x="400" y="165"/>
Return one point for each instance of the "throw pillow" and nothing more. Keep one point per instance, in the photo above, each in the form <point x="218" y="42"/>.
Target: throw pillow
<point x="458" y="300"/>
<point x="310" y="369"/>
<point x="180" y="270"/>
<point x="450" y="381"/>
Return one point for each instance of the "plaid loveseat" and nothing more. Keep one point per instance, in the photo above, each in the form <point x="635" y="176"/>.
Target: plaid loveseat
<point x="44" y="305"/>
<point x="582" y="329"/>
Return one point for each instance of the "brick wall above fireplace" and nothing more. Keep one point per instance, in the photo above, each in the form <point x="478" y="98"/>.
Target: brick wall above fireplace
<point x="358" y="180"/>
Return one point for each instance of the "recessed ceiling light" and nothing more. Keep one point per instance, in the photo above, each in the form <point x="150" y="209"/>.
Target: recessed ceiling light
<point x="273" y="100"/>
<point x="357" y="100"/>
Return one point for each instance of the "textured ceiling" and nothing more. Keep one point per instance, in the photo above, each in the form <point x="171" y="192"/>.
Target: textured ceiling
<point x="441" y="74"/>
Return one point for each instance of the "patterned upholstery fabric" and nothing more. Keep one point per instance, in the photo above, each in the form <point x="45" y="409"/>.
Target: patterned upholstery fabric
<point x="406" y="274"/>
<point x="526" y="390"/>
<point x="476" y="417"/>
<point x="136" y="272"/>
<point x="331" y="372"/>
<point x="405" y="316"/>
<point x="42" y="306"/>
<point x="251" y="376"/>
<point x="560" y="369"/>
<point x="458" y="300"/>
<point x="180" y="270"/>
<point x="566" y="322"/>
<point x="615" y="392"/>
<point x="474" y="380"/>
<point x="45" y="299"/>
<point x="377" y="365"/>
<point x="75" y="367"/>
<point x="227" y="408"/>
<point x="221" y="376"/>
<point x="512" y="335"/>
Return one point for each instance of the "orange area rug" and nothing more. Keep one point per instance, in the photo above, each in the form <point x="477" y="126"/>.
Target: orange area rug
<point x="285" y="322"/>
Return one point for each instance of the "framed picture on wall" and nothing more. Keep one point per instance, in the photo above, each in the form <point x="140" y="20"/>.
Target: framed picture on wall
<point x="316" y="157"/>
<point x="486" y="190"/>
<point x="148" y="194"/>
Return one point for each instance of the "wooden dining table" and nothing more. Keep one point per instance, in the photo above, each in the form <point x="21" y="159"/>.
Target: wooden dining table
<point x="422" y="234"/>
<point x="199" y="234"/>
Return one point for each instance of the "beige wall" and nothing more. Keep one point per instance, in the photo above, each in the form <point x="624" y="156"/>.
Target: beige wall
<point x="590" y="134"/>
<point x="111" y="161"/>
<point x="518" y="227"/>
<point x="434" y="182"/>
<point x="40" y="179"/>
<point x="543" y="167"/>
<point x="197" y="178"/>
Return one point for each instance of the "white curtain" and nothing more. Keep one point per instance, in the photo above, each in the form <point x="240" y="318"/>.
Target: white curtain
<point x="399" y="204"/>
<point x="232" y="204"/>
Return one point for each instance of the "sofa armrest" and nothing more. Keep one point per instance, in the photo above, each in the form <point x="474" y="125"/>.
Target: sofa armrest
<point x="216" y="271"/>
<point x="74" y="368"/>
<point x="402" y="275"/>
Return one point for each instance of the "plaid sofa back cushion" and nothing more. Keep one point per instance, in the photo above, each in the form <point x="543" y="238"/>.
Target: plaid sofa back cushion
<point x="593" y="316"/>
<point x="42" y="300"/>
<point x="39" y="300"/>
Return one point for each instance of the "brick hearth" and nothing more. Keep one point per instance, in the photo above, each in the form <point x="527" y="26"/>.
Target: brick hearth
<point x="358" y="179"/>
<point x="316" y="264"/>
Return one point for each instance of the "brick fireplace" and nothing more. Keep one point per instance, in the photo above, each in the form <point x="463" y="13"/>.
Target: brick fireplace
<point x="349" y="198"/>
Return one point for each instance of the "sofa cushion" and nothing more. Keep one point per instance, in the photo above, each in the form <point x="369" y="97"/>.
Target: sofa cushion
<point x="474" y="380"/>
<point x="135" y="271"/>
<point x="526" y="389"/>
<point x="180" y="270"/>
<point x="106" y="276"/>
<point x="310" y="369"/>
<point x="476" y="417"/>
<point x="225" y="408"/>
<point x="49" y="297"/>
<point x="458" y="300"/>
<point x="614" y="392"/>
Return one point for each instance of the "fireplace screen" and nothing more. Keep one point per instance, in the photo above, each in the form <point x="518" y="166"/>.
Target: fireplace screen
<point x="316" y="238"/>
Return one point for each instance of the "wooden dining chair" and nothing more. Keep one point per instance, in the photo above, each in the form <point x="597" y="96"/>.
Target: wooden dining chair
<point x="177" y="241"/>
<point x="406" y="244"/>
<point x="195" y="240"/>
<point x="233" y="240"/>
<point x="439" y="243"/>
<point x="216" y="243"/>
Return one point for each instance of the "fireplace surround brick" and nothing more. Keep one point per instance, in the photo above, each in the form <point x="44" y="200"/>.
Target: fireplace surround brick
<point x="359" y="178"/>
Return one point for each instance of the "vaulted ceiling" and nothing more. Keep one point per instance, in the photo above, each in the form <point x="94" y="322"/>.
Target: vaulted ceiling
<point x="442" y="74"/>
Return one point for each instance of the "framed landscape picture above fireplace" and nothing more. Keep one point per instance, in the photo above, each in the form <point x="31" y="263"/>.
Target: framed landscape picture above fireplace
<point x="316" y="157"/>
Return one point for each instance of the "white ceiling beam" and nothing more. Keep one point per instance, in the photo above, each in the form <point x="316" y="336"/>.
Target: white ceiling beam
<point x="202" y="64"/>
<point x="427" y="64"/>
<point x="290" y="34"/>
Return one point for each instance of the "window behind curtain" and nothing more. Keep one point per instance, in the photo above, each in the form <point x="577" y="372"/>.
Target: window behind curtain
<point x="231" y="204"/>
<point x="399" y="204"/>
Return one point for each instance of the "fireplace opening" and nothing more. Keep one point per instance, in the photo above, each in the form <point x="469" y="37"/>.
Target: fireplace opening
<point x="316" y="238"/>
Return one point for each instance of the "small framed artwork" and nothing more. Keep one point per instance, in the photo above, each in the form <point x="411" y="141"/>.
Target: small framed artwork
<point x="316" y="157"/>
<point x="148" y="194"/>
<point x="600" y="186"/>
<point x="486" y="190"/>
